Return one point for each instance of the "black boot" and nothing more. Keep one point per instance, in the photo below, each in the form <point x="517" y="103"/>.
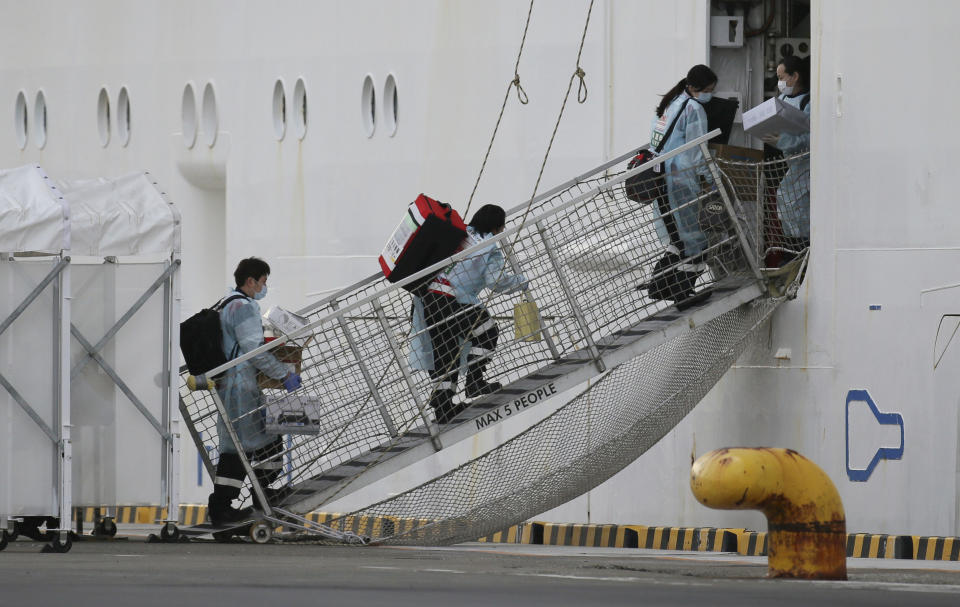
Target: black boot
<point x="444" y="407"/>
<point x="669" y="282"/>
<point x="221" y="512"/>
<point x="479" y="387"/>
<point x="476" y="385"/>
<point x="662" y="284"/>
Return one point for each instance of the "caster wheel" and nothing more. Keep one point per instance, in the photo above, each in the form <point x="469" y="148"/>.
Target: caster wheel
<point x="13" y="534"/>
<point x="59" y="545"/>
<point x="169" y="533"/>
<point x="109" y="527"/>
<point x="3" y="539"/>
<point x="105" y="528"/>
<point x="261" y="533"/>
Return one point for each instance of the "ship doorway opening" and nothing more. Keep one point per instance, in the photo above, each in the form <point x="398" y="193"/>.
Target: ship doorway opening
<point x="748" y="40"/>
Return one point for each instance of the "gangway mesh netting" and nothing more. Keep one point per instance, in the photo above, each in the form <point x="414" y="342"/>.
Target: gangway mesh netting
<point x="579" y="446"/>
<point x="588" y="254"/>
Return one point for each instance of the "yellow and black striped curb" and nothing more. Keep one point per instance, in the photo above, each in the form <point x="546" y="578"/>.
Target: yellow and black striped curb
<point x="518" y="534"/>
<point x="560" y="534"/>
<point x="742" y="541"/>
<point x="618" y="536"/>
<point x="927" y="548"/>
<point x="141" y="515"/>
<point x="373" y="526"/>
<point x="752" y="543"/>
<point x="700" y="539"/>
<point x="878" y="546"/>
<point x="859" y="545"/>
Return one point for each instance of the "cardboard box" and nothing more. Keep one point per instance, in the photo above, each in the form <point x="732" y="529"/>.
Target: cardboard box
<point x="735" y="153"/>
<point x="773" y="117"/>
<point x="287" y="353"/>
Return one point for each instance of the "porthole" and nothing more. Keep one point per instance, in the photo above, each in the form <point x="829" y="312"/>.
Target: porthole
<point x="40" y="120"/>
<point x="209" y="122"/>
<point x="188" y="116"/>
<point x="300" y="109"/>
<point x="390" y="106"/>
<point x="368" y="106"/>
<point x="103" y="117"/>
<point x="20" y="120"/>
<point x="123" y="116"/>
<point x="279" y="110"/>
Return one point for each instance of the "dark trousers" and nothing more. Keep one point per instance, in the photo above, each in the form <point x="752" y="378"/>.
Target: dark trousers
<point x="266" y="462"/>
<point x="452" y="323"/>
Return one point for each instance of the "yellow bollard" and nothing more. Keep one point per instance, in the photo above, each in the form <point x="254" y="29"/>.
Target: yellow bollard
<point x="807" y="529"/>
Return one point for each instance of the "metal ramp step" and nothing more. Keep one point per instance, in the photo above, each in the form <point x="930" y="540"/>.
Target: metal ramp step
<point x="520" y="395"/>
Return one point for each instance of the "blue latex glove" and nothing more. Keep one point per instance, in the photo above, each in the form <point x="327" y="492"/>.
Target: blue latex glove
<point x="291" y="382"/>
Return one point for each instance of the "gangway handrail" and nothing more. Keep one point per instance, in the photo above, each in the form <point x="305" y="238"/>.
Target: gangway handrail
<point x="512" y="211"/>
<point x="379" y="294"/>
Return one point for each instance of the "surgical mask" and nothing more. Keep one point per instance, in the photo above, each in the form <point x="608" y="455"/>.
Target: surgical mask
<point x="704" y="97"/>
<point x="261" y="294"/>
<point x="782" y="85"/>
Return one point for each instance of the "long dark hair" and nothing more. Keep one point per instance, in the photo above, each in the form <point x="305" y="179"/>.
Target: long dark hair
<point x="795" y="65"/>
<point x="699" y="77"/>
<point x="488" y="218"/>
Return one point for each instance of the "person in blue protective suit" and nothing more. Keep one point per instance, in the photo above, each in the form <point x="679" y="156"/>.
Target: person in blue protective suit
<point x="237" y="387"/>
<point x="793" y="193"/>
<point x="676" y="221"/>
<point x="455" y="315"/>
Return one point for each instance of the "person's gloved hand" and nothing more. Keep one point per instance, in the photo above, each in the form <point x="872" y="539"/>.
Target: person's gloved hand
<point x="771" y="139"/>
<point x="525" y="284"/>
<point x="291" y="382"/>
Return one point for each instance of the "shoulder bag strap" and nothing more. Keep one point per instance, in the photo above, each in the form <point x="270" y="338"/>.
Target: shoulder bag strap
<point x="669" y="132"/>
<point x="223" y="302"/>
<point x="219" y="306"/>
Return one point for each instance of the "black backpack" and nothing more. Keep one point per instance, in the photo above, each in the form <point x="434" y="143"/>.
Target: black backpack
<point x="201" y="338"/>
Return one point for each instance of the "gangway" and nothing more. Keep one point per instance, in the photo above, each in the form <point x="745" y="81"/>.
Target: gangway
<point x="588" y="252"/>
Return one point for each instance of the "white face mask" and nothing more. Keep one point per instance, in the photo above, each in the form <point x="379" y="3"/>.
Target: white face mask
<point x="704" y="97"/>
<point x="782" y="85"/>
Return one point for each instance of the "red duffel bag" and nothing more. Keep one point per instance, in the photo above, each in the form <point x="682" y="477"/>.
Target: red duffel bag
<point x="430" y="231"/>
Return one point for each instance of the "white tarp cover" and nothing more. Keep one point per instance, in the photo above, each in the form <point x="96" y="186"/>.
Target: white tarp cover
<point x="29" y="353"/>
<point x="123" y="216"/>
<point x="117" y="453"/>
<point x="33" y="215"/>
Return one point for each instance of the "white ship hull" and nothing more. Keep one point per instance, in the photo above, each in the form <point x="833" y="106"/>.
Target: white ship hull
<point x="883" y="269"/>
